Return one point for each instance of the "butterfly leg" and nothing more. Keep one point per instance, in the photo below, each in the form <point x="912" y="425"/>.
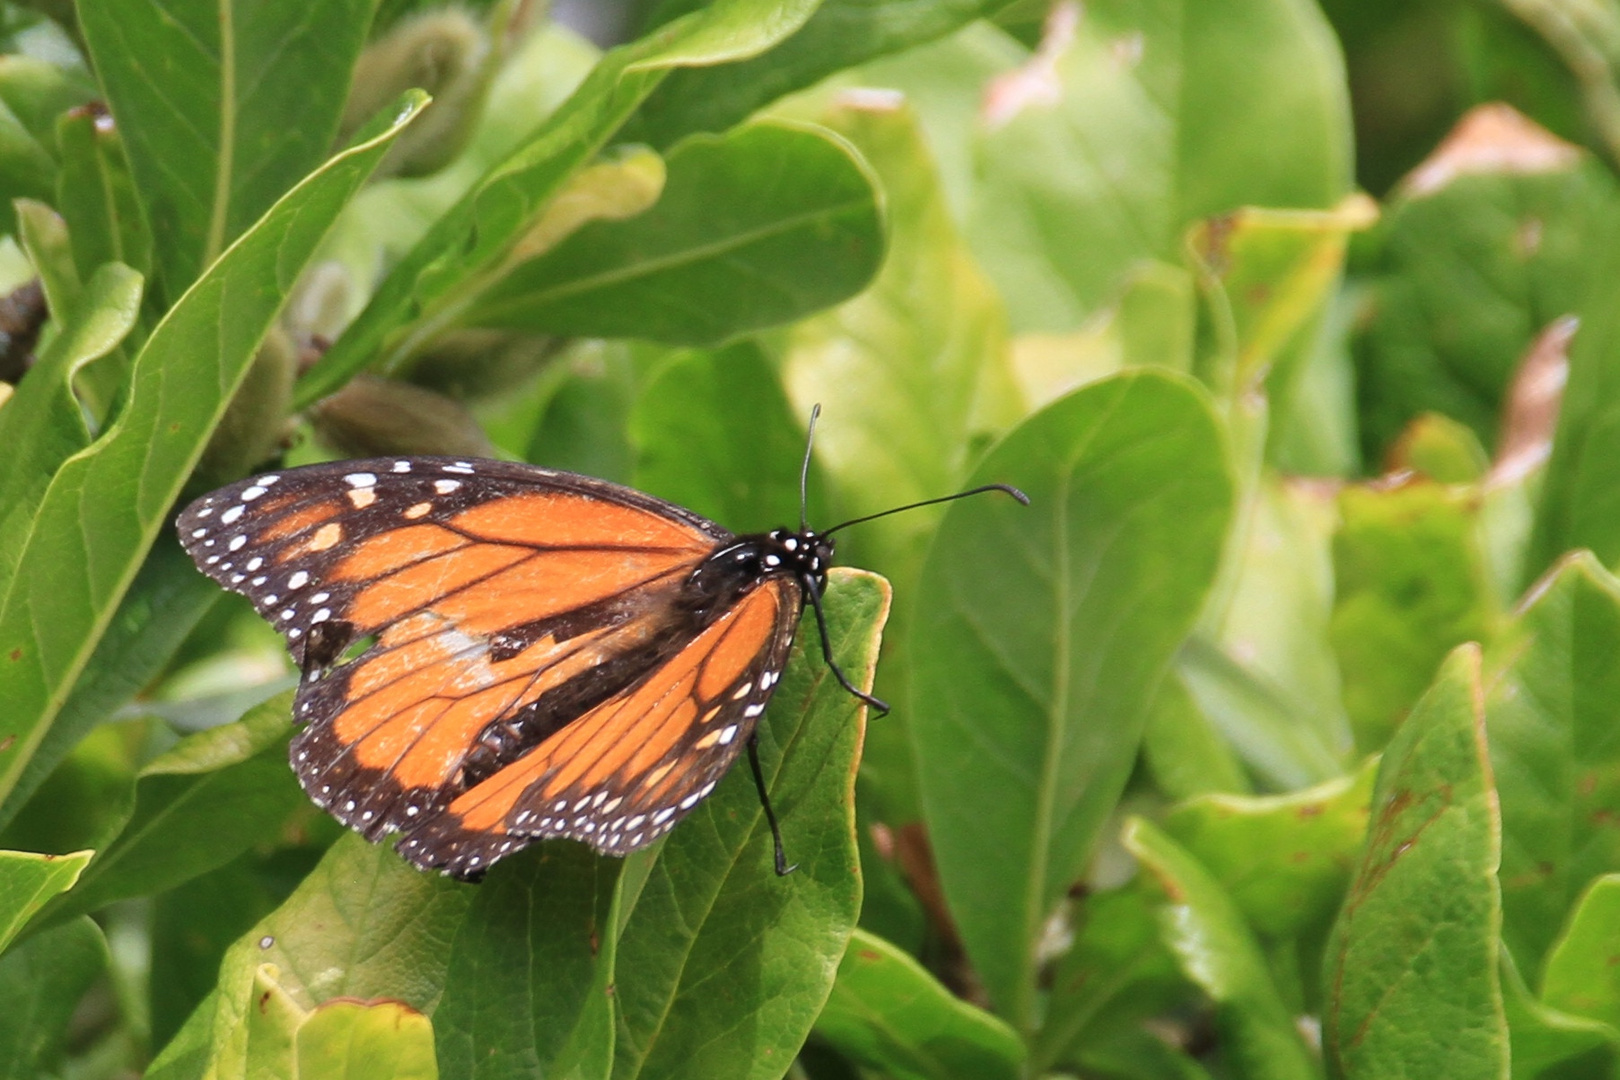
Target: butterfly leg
<point x="878" y="704"/>
<point x="782" y="868"/>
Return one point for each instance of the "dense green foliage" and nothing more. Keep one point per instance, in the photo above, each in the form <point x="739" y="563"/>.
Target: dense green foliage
<point x="1279" y="737"/>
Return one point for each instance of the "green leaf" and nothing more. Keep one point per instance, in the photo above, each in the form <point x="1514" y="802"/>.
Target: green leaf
<point x="1579" y="505"/>
<point x="96" y="195"/>
<point x="355" y="1040"/>
<point x="26" y="168"/>
<point x="1276" y="272"/>
<point x="198" y="806"/>
<point x="29" y="881"/>
<point x="1205" y="930"/>
<point x="43" y="422"/>
<point x="714" y="432"/>
<point x="1188" y="99"/>
<point x="1412" y="583"/>
<point x="889" y="1014"/>
<point x="163" y="604"/>
<point x="429" y="284"/>
<point x="1117" y="974"/>
<point x="1554" y="750"/>
<point x="1580" y="977"/>
<point x="1183" y="750"/>
<point x="755" y="228"/>
<point x="105" y="505"/>
<point x="41" y="983"/>
<point x="223" y="107"/>
<point x="364" y="924"/>
<point x="841" y="34"/>
<point x="1045" y="632"/>
<point x="1543" y="1036"/>
<point x="912" y="375"/>
<point x="722" y="965"/>
<point x="1473" y="262"/>
<point x="1411" y="982"/>
<point x="1283" y="860"/>
<point x="531" y="968"/>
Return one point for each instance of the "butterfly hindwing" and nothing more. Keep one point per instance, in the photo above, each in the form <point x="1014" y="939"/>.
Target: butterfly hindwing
<point x="629" y="770"/>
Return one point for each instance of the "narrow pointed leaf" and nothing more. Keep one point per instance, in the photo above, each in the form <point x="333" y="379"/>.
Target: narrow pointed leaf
<point x="440" y="272"/>
<point x="1044" y="633"/>
<point x="755" y="228"/>
<point x="105" y="505"/>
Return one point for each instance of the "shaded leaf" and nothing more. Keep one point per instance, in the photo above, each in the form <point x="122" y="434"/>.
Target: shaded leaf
<point x="1554" y="750"/>
<point x="198" y="806"/>
<point x="41" y="983"/>
<point x="1206" y="932"/>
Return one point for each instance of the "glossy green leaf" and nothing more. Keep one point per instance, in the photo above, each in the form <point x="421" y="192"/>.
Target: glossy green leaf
<point x="1206" y="932"/>
<point x="222" y="109"/>
<point x="198" y="806"/>
<point x="889" y="1014"/>
<point x="722" y="965"/>
<point x="1555" y="751"/>
<point x="41" y="983"/>
<point x="755" y="228"/>
<point x="1412" y="584"/>
<point x="105" y="505"/>
<point x="28" y="881"/>
<point x="1470" y="267"/>
<point x="1188" y="99"/>
<point x="1411" y="984"/>
<point x="1283" y="860"/>
<point x="364" y="924"/>
<point x="841" y="34"/>
<point x="1048" y="629"/>
<point x="714" y="432"/>
<point x="531" y="967"/>
<point x="43" y="422"/>
<point x="442" y="271"/>
<point x="353" y="1040"/>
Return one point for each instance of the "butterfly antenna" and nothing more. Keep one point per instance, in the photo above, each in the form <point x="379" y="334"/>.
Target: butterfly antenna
<point x="1006" y="488"/>
<point x="782" y="867"/>
<point x="881" y="706"/>
<point x="804" y="471"/>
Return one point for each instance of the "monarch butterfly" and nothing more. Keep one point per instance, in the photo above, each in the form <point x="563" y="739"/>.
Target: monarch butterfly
<point x="495" y="653"/>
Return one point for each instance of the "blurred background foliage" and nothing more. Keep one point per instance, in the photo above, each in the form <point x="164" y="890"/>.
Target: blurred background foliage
<point x="1277" y="738"/>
